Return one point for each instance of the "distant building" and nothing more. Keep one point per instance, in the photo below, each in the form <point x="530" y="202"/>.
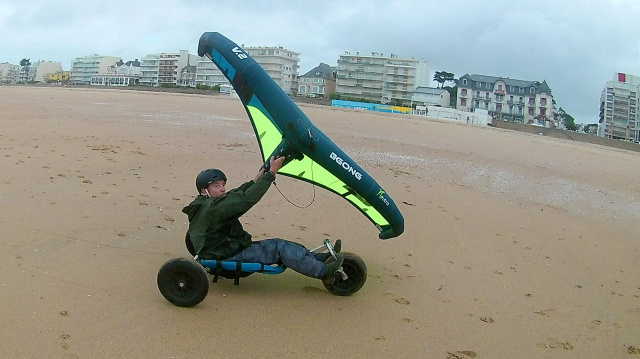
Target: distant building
<point x="59" y="76"/>
<point x="165" y="68"/>
<point x="120" y="74"/>
<point x="318" y="82"/>
<point x="208" y="74"/>
<point x="9" y="73"/>
<point x="281" y="64"/>
<point x="380" y="78"/>
<point x="188" y="76"/>
<point x="83" y="67"/>
<point x="619" y="104"/>
<point x="429" y="96"/>
<point x="528" y="102"/>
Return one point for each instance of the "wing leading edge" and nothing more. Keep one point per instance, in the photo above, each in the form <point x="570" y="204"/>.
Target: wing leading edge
<point x="277" y="121"/>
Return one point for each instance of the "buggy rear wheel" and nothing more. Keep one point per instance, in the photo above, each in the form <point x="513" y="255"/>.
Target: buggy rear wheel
<point x="356" y="271"/>
<point x="183" y="282"/>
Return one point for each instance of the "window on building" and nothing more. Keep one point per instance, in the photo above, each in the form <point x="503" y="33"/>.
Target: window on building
<point x="302" y="89"/>
<point x="464" y="81"/>
<point x="488" y="85"/>
<point x="532" y="101"/>
<point x="532" y="90"/>
<point x="543" y="112"/>
<point x="521" y="89"/>
<point x="463" y="102"/>
<point x="543" y="101"/>
<point x="463" y="92"/>
<point x="531" y="111"/>
<point x="314" y="89"/>
<point x="499" y="87"/>
<point x="478" y="84"/>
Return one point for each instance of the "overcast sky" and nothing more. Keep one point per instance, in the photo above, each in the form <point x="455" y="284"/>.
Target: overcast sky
<point x="575" y="45"/>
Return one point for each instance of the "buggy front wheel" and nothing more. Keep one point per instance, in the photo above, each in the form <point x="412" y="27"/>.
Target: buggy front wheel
<point x="356" y="272"/>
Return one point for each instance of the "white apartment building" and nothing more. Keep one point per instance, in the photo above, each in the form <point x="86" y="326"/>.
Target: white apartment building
<point x="281" y="64"/>
<point x="380" y="78"/>
<point x="528" y="102"/>
<point x="83" y="67"/>
<point x="619" y="108"/>
<point x="208" y="74"/>
<point x="149" y="68"/>
<point x="165" y="68"/>
<point x="39" y="71"/>
<point x="9" y="73"/>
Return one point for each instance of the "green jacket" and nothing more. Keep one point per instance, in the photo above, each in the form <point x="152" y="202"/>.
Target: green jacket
<point x="214" y="225"/>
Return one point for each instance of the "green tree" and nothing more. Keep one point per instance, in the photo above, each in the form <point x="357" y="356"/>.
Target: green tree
<point x="443" y="76"/>
<point x="568" y="120"/>
<point x="453" y="95"/>
<point x="25" y="62"/>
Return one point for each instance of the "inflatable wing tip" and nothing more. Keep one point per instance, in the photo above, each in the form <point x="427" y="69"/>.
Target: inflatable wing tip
<point x="390" y="233"/>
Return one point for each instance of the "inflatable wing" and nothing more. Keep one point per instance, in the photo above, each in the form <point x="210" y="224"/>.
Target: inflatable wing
<point x="283" y="129"/>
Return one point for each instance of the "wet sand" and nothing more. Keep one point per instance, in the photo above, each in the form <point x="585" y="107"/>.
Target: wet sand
<point x="516" y="245"/>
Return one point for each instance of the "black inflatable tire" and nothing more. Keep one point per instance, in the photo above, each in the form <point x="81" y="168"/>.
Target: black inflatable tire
<point x="356" y="270"/>
<point x="183" y="282"/>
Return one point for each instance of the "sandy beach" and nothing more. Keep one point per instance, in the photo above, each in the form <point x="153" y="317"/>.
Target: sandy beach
<point x="516" y="245"/>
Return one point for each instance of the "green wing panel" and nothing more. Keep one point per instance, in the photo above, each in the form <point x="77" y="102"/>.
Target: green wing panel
<point x="269" y="137"/>
<point x="268" y="134"/>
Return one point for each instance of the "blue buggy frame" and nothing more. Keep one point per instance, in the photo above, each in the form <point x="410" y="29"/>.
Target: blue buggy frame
<point x="185" y="283"/>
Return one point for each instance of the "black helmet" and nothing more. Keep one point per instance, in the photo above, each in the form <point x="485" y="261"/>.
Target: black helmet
<point x="207" y="177"/>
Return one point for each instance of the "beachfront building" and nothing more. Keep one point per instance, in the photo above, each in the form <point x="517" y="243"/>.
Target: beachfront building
<point x="430" y="96"/>
<point x="9" y="73"/>
<point x="120" y="74"/>
<point x="83" y="67"/>
<point x="318" y="82"/>
<point x="165" y="69"/>
<point x="208" y="74"/>
<point x="619" y="104"/>
<point x="187" y="76"/>
<point x="528" y="102"/>
<point x="40" y="70"/>
<point x="59" y="77"/>
<point x="380" y="78"/>
<point x="281" y="64"/>
<point x="149" y="68"/>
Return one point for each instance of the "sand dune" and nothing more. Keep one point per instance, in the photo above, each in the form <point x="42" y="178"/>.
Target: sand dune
<point x="516" y="245"/>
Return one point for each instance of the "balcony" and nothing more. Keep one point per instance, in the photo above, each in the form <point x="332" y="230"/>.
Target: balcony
<point x="499" y="92"/>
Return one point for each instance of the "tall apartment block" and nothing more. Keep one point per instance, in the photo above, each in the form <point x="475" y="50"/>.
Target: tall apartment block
<point x="619" y="108"/>
<point x="528" y="102"/>
<point x="165" y="68"/>
<point x="208" y="74"/>
<point x="83" y="67"/>
<point x="379" y="78"/>
<point x="9" y="73"/>
<point x="281" y="64"/>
